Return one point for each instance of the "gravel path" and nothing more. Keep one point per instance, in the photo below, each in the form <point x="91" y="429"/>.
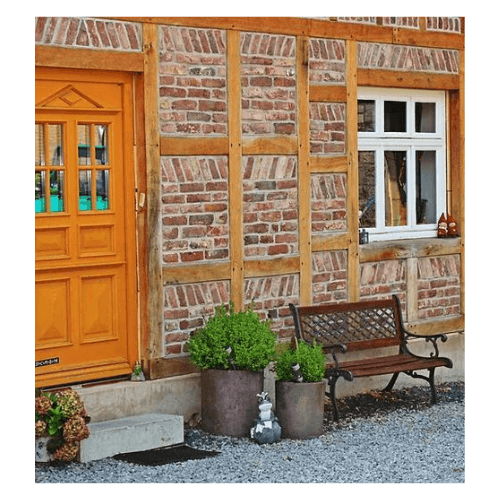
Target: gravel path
<point x="382" y="438"/>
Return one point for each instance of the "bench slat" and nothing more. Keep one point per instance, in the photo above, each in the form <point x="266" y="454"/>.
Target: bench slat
<point x="390" y="364"/>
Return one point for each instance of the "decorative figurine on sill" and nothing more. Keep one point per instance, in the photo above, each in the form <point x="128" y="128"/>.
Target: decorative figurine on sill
<point x="297" y="373"/>
<point x="452" y="227"/>
<point x="266" y="429"/>
<point x="363" y="237"/>
<point x="442" y="227"/>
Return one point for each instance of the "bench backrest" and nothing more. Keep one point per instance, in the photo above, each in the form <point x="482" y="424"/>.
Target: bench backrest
<point x="357" y="325"/>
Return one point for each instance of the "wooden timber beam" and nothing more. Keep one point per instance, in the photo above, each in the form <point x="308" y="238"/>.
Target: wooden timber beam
<point x="317" y="28"/>
<point x="61" y="57"/>
<point x="352" y="207"/>
<point x="407" y="79"/>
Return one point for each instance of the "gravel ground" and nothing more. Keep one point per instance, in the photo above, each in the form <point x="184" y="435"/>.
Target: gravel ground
<point x="393" y="437"/>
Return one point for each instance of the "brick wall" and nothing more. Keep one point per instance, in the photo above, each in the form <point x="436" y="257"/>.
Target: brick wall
<point x="438" y="286"/>
<point x="195" y="209"/>
<point x="268" y="84"/>
<point x="186" y="307"/>
<point x="84" y="32"/>
<point x="328" y="203"/>
<point x="327" y="128"/>
<point x="270" y="206"/>
<point x="400" y="57"/>
<point x="326" y="61"/>
<point x="380" y="280"/>
<point x="192" y="79"/>
<point x="452" y="24"/>
<point x="270" y="296"/>
<point x="329" y="276"/>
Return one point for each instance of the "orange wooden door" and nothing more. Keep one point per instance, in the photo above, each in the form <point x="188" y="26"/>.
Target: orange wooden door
<point x="85" y="266"/>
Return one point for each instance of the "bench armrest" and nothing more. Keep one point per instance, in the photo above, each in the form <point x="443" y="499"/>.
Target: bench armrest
<point x="428" y="338"/>
<point x="333" y="349"/>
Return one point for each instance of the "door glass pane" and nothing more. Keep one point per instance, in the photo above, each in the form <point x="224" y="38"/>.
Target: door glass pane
<point x="85" y="189"/>
<point x="84" y="145"/>
<point x="56" y="191"/>
<point x="395" y="188"/>
<point x="40" y="192"/>
<point x="394" y="116"/>
<point x="366" y="161"/>
<point x="56" y="152"/>
<point x="425" y="117"/>
<point x="426" y="187"/>
<point x="102" y="188"/>
<point x="366" y="116"/>
<point x="101" y="144"/>
<point x="39" y="145"/>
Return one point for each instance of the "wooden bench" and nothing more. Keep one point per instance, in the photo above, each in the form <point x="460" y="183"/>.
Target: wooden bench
<point x="364" y="326"/>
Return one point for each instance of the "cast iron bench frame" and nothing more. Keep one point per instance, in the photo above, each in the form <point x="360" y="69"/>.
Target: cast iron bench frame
<point x="363" y="326"/>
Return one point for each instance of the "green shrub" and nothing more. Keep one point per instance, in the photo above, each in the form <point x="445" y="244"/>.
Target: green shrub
<point x="310" y="358"/>
<point x="240" y="338"/>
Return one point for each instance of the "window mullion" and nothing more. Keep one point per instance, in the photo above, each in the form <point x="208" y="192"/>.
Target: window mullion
<point x="380" y="188"/>
<point x="411" y="187"/>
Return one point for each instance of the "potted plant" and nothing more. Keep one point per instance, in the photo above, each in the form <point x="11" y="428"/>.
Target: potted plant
<point x="60" y="424"/>
<point x="232" y="350"/>
<point x="300" y="389"/>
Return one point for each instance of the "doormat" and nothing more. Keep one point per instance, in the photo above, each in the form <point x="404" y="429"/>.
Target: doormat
<point x="166" y="455"/>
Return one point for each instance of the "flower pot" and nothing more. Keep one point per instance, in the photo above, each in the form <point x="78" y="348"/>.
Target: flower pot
<point x="300" y="408"/>
<point x="41" y="453"/>
<point x="229" y="403"/>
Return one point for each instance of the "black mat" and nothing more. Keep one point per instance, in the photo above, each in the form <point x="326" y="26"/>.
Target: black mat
<point x="166" y="455"/>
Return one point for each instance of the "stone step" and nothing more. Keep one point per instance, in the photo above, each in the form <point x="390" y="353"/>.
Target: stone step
<point x="129" y="434"/>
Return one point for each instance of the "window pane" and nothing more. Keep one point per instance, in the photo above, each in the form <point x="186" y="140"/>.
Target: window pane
<point x="394" y="116"/>
<point x="395" y="188"/>
<point x="366" y="161"/>
<point x="39" y="144"/>
<point x="101" y="144"/>
<point x="56" y="191"/>
<point x="102" y="187"/>
<point x="85" y="190"/>
<point x="56" y="153"/>
<point x="366" y="116"/>
<point x="84" y="145"/>
<point x="425" y="117"/>
<point x="40" y="192"/>
<point x="426" y="187"/>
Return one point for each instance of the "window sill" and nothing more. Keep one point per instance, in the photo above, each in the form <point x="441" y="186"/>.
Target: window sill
<point x="405" y="249"/>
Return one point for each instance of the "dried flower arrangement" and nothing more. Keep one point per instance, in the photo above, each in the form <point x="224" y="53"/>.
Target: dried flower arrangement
<point x="61" y="416"/>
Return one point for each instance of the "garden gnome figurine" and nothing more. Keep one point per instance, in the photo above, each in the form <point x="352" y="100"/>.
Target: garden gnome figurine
<point x="266" y="428"/>
<point x="452" y="227"/>
<point x="442" y="227"/>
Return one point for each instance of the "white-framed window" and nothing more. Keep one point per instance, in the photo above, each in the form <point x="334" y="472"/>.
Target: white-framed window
<point x="402" y="162"/>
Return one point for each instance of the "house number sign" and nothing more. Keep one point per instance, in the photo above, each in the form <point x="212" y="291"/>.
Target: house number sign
<point x="46" y="362"/>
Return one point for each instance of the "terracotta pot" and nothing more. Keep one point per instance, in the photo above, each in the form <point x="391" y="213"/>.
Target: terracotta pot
<point x="300" y="408"/>
<point x="229" y="402"/>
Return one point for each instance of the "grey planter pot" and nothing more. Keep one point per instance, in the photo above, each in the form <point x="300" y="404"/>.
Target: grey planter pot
<point x="300" y="408"/>
<point x="229" y="402"/>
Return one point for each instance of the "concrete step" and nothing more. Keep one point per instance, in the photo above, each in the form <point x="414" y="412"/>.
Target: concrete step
<point x="128" y="434"/>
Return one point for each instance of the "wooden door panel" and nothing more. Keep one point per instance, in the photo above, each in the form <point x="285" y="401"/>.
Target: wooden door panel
<point x="97" y="241"/>
<point x="52" y="243"/>
<point x="53" y="323"/>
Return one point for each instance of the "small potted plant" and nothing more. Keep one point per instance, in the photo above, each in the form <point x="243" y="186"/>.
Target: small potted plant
<point x="232" y="350"/>
<point x="300" y="389"/>
<point x="60" y="424"/>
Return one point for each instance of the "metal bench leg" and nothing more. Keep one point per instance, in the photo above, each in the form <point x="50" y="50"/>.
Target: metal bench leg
<point x="429" y="379"/>
<point x="433" y="388"/>
<point x="335" y="412"/>
<point x="391" y="383"/>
